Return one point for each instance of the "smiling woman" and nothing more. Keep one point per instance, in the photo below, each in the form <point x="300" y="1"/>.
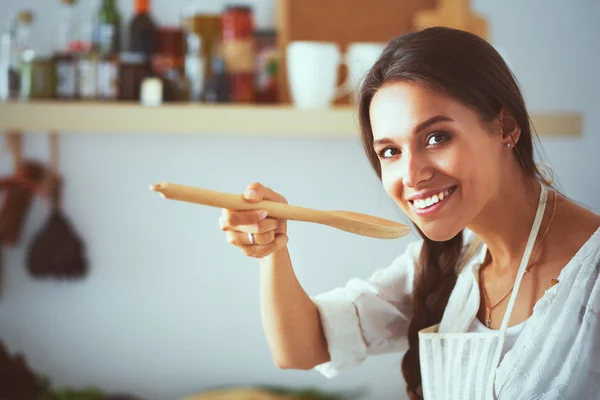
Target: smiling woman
<point x="503" y="284"/>
<point x="446" y="129"/>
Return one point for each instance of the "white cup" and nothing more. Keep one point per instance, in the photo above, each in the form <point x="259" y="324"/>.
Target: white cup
<point x="360" y="57"/>
<point x="312" y="69"/>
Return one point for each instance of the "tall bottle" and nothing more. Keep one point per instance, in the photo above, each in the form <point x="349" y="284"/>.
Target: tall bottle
<point x="194" y="67"/>
<point x="6" y="43"/>
<point x="107" y="41"/>
<point x="142" y="30"/>
<point x="21" y="55"/>
<point x="107" y="35"/>
<point x="25" y="54"/>
<point x="239" y="52"/>
<point x="65" y="61"/>
<point x="217" y="88"/>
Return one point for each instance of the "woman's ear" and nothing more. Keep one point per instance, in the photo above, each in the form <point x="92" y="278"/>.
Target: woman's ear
<point x="510" y="129"/>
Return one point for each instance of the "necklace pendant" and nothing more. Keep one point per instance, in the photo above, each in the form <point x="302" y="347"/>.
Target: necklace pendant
<point x="488" y="320"/>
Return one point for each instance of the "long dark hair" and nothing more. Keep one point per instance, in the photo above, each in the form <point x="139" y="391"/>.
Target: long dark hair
<point x="469" y="69"/>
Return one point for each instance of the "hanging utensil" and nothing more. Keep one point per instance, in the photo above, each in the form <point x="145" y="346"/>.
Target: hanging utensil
<point x="56" y="251"/>
<point x="18" y="197"/>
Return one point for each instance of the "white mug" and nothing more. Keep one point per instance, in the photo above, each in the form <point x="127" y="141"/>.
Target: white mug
<point x="313" y="67"/>
<point x="359" y="59"/>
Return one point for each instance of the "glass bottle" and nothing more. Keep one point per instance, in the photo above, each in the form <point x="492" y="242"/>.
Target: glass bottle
<point x="22" y="57"/>
<point x="65" y="61"/>
<point x="107" y="35"/>
<point x="217" y="85"/>
<point x="194" y="67"/>
<point x="25" y="54"/>
<point x="142" y="30"/>
<point x="6" y="53"/>
<point x="239" y="52"/>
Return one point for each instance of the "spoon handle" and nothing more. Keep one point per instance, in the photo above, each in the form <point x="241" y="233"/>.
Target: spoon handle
<point x="235" y="202"/>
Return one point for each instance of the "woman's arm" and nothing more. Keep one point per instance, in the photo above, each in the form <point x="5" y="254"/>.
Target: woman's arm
<point x="368" y="316"/>
<point x="290" y="319"/>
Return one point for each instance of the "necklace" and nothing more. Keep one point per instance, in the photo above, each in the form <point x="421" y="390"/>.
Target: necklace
<point x="489" y="308"/>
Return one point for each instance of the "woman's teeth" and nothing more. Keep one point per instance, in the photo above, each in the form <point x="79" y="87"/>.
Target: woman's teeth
<point x="428" y="202"/>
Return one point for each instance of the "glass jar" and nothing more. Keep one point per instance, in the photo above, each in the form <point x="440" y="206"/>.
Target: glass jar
<point x="238" y="47"/>
<point x="42" y="76"/>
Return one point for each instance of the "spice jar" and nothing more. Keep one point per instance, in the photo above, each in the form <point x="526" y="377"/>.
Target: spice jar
<point x="42" y="78"/>
<point x="238" y="49"/>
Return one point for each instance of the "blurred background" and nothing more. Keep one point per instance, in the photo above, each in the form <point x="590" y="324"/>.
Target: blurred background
<point x="157" y="305"/>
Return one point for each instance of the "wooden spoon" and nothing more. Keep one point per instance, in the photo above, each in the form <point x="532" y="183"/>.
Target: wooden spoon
<point x="360" y="224"/>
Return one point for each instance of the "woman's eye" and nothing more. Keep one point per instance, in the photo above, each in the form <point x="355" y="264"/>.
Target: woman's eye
<point x="388" y="152"/>
<point x="437" y="138"/>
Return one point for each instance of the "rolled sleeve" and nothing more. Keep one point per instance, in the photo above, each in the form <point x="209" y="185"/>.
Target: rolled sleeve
<point x="341" y="327"/>
<point x="368" y="316"/>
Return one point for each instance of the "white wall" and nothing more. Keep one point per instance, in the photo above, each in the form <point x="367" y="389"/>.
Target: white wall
<point x="169" y="308"/>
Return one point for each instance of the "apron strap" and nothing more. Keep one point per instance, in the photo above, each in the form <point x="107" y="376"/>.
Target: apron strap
<point x="537" y="222"/>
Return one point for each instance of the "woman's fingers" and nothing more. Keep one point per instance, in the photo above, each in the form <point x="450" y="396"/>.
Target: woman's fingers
<point x="243" y="238"/>
<point x="263" y="250"/>
<point x="257" y="192"/>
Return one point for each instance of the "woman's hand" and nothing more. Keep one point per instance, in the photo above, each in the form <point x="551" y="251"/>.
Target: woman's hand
<point x="244" y="227"/>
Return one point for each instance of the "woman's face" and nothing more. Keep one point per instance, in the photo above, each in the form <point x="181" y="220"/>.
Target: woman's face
<point x="439" y="162"/>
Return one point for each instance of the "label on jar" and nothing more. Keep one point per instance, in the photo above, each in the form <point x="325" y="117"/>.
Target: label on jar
<point x="66" y="79"/>
<point x="108" y="80"/>
<point x="239" y="55"/>
<point x="88" y="80"/>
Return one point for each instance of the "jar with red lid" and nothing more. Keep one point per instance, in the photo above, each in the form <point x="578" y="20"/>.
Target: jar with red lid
<point x="238" y="47"/>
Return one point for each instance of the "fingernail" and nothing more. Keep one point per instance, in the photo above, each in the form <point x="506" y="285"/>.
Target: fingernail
<point x="251" y="194"/>
<point x="263" y="215"/>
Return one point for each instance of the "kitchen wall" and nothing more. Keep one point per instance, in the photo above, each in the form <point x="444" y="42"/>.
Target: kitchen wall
<point x="170" y="308"/>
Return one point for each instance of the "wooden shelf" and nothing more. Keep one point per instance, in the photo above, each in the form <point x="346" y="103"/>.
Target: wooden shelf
<point x="99" y="117"/>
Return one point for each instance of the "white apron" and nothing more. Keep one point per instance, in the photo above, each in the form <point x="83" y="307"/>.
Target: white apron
<point x="462" y="365"/>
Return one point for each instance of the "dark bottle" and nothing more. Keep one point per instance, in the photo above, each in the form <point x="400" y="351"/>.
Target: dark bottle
<point x="143" y="30"/>
<point x="107" y="35"/>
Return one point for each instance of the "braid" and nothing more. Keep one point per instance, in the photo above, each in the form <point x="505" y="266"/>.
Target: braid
<point x="434" y="281"/>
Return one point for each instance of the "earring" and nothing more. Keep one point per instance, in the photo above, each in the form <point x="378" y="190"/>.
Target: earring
<point x="507" y="144"/>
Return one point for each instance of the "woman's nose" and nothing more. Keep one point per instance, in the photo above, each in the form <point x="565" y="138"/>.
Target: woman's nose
<point x="415" y="168"/>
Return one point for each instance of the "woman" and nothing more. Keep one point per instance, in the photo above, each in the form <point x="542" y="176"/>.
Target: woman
<point x="501" y="297"/>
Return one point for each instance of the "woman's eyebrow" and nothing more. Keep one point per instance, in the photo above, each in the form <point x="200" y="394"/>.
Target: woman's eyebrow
<point x="419" y="127"/>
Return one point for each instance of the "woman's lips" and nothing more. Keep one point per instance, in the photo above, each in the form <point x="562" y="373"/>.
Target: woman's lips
<point x="433" y="203"/>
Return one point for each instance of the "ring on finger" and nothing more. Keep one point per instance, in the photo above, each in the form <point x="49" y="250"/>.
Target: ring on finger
<point x="251" y="238"/>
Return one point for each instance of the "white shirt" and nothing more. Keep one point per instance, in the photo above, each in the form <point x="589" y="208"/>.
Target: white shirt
<point x="512" y="333"/>
<point x="555" y="356"/>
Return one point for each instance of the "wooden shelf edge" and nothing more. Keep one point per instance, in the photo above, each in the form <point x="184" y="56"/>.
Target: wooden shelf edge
<point x="186" y="118"/>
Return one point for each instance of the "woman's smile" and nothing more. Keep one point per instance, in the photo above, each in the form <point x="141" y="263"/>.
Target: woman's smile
<point x="430" y="202"/>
